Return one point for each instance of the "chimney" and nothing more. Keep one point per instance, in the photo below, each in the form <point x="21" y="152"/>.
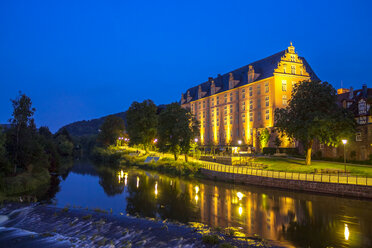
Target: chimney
<point x="351" y="93"/>
<point x="364" y="90"/>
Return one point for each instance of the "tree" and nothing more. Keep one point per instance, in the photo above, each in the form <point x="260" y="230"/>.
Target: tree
<point x="5" y="166"/>
<point x="22" y="141"/>
<point x="264" y="137"/>
<point x="50" y="148"/>
<point x="277" y="142"/>
<point x="65" y="144"/>
<point x="177" y="129"/>
<point x="313" y="113"/>
<point x="142" y="122"/>
<point x="111" y="129"/>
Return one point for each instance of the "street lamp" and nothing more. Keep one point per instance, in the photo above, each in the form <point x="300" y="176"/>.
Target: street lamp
<point x="344" y="141"/>
<point x="239" y="142"/>
<point x="196" y="140"/>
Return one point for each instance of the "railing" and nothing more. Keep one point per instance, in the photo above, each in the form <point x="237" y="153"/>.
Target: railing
<point x="312" y="177"/>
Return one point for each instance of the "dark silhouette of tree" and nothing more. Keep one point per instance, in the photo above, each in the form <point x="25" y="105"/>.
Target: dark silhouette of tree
<point x="112" y="128"/>
<point x="142" y="122"/>
<point x="177" y="129"/>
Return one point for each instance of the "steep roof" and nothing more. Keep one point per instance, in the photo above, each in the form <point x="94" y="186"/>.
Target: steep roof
<point x="264" y="67"/>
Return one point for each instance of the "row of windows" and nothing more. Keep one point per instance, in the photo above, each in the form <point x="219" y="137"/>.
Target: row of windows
<point x="284" y="89"/>
<point x="230" y="109"/>
<point x="230" y="118"/>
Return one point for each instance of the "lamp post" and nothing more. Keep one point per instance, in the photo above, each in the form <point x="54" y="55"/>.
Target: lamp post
<point x="344" y="141"/>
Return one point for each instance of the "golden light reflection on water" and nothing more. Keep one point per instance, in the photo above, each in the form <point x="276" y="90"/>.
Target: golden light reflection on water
<point x="156" y="189"/>
<point x="346" y="232"/>
<point x="240" y="211"/>
<point x="258" y="211"/>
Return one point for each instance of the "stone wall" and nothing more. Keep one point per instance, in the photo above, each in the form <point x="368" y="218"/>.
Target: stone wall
<point x="317" y="187"/>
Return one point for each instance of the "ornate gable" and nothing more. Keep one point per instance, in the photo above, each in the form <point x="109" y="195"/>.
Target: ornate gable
<point x="291" y="63"/>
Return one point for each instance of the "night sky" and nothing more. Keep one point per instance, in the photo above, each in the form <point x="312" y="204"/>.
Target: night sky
<point x="84" y="59"/>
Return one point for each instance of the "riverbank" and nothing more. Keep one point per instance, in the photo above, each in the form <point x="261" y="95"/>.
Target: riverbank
<point x="29" y="184"/>
<point x="42" y="226"/>
<point x="350" y="190"/>
<point x="164" y="165"/>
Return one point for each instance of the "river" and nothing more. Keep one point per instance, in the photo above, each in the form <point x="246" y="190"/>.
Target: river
<point x="287" y="218"/>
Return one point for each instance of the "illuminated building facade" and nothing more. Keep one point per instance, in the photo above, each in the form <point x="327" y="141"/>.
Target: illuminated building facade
<point x="234" y="107"/>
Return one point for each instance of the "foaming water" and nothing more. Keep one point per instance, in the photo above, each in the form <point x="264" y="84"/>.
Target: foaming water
<point x="3" y="218"/>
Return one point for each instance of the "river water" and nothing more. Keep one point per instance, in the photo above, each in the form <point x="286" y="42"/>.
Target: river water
<point x="284" y="217"/>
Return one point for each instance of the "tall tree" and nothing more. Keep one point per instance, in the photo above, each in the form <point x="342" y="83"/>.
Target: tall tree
<point x="112" y="128"/>
<point x="142" y="122"/>
<point x="313" y="113"/>
<point x="177" y="129"/>
<point x="22" y="136"/>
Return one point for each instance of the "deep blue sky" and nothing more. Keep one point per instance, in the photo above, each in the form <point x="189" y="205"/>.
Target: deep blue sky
<point x="83" y="59"/>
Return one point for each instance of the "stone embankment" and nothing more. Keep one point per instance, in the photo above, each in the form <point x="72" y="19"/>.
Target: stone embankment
<point x="341" y="189"/>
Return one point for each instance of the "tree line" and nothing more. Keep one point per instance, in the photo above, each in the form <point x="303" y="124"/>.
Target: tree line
<point x="24" y="147"/>
<point x="170" y="128"/>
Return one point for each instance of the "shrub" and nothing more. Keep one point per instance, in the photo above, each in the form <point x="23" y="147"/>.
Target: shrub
<point x="212" y="239"/>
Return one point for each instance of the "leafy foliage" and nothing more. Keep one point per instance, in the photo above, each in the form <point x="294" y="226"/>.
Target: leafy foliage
<point x="177" y="129"/>
<point x="313" y="113"/>
<point x="142" y="122"/>
<point x="264" y="137"/>
<point x="112" y="128"/>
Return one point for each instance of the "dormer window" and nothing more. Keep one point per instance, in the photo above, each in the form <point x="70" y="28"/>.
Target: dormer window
<point x="293" y="59"/>
<point x="293" y="69"/>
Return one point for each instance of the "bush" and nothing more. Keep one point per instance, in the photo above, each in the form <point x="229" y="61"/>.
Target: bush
<point x="211" y="239"/>
<point x="105" y="155"/>
<point x="269" y="150"/>
<point x="286" y="150"/>
<point x="25" y="183"/>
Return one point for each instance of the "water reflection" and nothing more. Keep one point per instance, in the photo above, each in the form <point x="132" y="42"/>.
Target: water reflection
<point x="300" y="219"/>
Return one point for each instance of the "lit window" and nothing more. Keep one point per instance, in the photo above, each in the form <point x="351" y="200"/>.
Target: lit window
<point x="267" y="116"/>
<point x="258" y="89"/>
<point x="284" y="85"/>
<point x="251" y="116"/>
<point x="293" y="58"/>
<point x="284" y="99"/>
<point x="293" y="69"/>
<point x="267" y="87"/>
<point x="259" y="116"/>
<point x="267" y="101"/>
<point x="258" y="103"/>
<point x="250" y="91"/>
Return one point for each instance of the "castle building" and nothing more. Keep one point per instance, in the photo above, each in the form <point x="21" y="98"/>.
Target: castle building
<point x="233" y="108"/>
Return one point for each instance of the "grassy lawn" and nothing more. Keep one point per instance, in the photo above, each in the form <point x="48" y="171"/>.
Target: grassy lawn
<point x="295" y="165"/>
